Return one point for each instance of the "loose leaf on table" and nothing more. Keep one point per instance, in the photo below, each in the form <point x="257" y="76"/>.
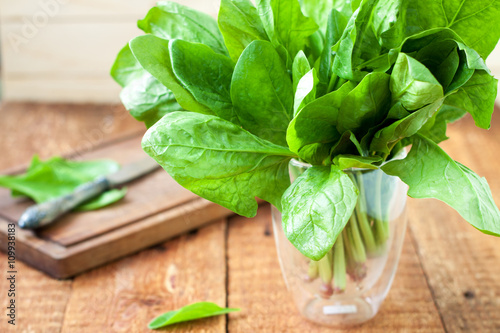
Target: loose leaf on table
<point x="431" y="173"/>
<point x="46" y="180"/>
<point x="154" y="56"/>
<point x="240" y="25"/>
<point x="206" y="75"/>
<point x="219" y="160"/>
<point x="285" y="24"/>
<point x="366" y="105"/>
<point x="262" y="92"/>
<point x="313" y="131"/>
<point x="413" y="84"/>
<point x="103" y="200"/>
<point x="306" y="91"/>
<point x="148" y="100"/>
<point x="170" y="20"/>
<point x="189" y="312"/>
<point x="316" y="209"/>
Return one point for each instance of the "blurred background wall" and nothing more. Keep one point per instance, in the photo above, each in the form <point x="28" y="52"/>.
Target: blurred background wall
<point x="62" y="50"/>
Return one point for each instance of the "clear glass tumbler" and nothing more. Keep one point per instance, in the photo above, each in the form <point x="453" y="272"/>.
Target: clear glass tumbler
<point x="349" y="284"/>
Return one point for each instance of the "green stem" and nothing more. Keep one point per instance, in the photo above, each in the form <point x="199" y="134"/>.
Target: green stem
<point x="381" y="226"/>
<point x="313" y="271"/>
<point x="339" y="83"/>
<point x="333" y="83"/>
<point x="363" y="221"/>
<point x="326" y="275"/>
<point x="355" y="237"/>
<point x="339" y="267"/>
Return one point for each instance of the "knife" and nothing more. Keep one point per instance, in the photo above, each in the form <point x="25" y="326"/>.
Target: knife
<point x="45" y="213"/>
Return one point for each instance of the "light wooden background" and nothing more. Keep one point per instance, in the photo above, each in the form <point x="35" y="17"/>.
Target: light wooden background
<point x="62" y="50"/>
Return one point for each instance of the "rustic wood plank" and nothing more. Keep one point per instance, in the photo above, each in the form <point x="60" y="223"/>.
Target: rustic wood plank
<point x="461" y="263"/>
<point x="156" y="208"/>
<point x="63" y="262"/>
<point x="145" y="197"/>
<point x="256" y="285"/>
<point x="125" y="296"/>
<point x="40" y="301"/>
<point x="42" y="89"/>
<point x="59" y="129"/>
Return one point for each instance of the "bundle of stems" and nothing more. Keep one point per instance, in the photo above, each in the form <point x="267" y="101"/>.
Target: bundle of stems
<point x="365" y="236"/>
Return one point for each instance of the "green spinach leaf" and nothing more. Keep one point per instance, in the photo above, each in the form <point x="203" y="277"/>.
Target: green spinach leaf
<point x="435" y="128"/>
<point x="477" y="97"/>
<point x="474" y="21"/>
<point x="126" y="69"/>
<point x="335" y="27"/>
<point x="306" y="91"/>
<point x="386" y="138"/>
<point x="355" y="161"/>
<point x="413" y="84"/>
<point x="219" y="161"/>
<point x="170" y="20"/>
<point x="206" y="75"/>
<point x="148" y="100"/>
<point x="154" y="56"/>
<point x="431" y="173"/>
<point x="189" y="312"/>
<point x="262" y="92"/>
<point x="285" y="24"/>
<point x="357" y="45"/>
<point x="366" y="105"/>
<point x="316" y="209"/>
<point x="240" y="25"/>
<point x="313" y="131"/>
<point x="46" y="180"/>
<point x="300" y="68"/>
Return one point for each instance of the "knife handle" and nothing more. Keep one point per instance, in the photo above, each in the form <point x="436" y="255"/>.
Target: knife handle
<point x="45" y="213"/>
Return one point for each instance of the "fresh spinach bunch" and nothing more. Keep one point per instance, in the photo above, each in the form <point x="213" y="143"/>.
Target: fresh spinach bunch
<point x="334" y="83"/>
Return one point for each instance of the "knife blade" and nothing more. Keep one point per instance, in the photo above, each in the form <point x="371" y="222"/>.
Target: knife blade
<point x="45" y="213"/>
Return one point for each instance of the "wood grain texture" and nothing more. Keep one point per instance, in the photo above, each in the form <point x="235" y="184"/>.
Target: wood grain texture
<point x="40" y="301"/>
<point x="145" y="197"/>
<point x="448" y="273"/>
<point x="461" y="263"/>
<point x="155" y="209"/>
<point x="59" y="129"/>
<point x="125" y="296"/>
<point x="256" y="285"/>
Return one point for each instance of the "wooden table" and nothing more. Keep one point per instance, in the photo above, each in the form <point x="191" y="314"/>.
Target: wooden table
<point x="448" y="278"/>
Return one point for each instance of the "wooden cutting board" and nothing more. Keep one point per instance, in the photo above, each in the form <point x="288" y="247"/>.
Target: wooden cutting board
<point x="155" y="209"/>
